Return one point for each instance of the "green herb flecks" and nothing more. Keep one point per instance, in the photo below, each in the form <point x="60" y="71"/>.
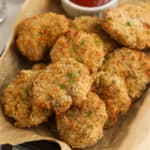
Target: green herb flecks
<point x="82" y="43"/>
<point x="79" y="60"/>
<point x="62" y="87"/>
<point x="109" y="18"/>
<point x="91" y="126"/>
<point x="71" y="74"/>
<point x="71" y="81"/>
<point x="128" y="23"/>
<point x="133" y="76"/>
<point x="97" y="27"/>
<point x="89" y="113"/>
<point x="47" y="28"/>
<point x="71" y="77"/>
<point x="97" y="42"/>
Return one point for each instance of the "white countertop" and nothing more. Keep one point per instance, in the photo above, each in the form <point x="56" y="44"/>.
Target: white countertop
<point x="12" y="11"/>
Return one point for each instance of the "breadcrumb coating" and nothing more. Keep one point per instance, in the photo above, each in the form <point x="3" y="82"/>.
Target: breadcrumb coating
<point x="86" y="48"/>
<point x="18" y="104"/>
<point x="129" y="24"/>
<point x="112" y="90"/>
<point x="93" y="25"/>
<point x="83" y="126"/>
<point x="61" y="85"/>
<point x="133" y="67"/>
<point x="35" y="35"/>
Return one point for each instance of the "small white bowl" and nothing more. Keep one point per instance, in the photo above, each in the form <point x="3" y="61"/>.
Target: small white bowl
<point x="74" y="10"/>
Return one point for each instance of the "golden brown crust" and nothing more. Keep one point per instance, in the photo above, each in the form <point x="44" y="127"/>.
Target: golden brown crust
<point x="36" y="34"/>
<point x="60" y="84"/>
<point x="133" y="67"/>
<point x="129" y="25"/>
<point x="18" y="104"/>
<point x="93" y="25"/>
<point x="86" y="48"/>
<point x="83" y="126"/>
<point x="112" y="90"/>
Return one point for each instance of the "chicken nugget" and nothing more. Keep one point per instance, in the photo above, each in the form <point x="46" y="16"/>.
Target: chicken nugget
<point x="62" y="84"/>
<point x="133" y="67"/>
<point x="81" y="127"/>
<point x="36" y="34"/>
<point x="112" y="89"/>
<point x="129" y="25"/>
<point x="86" y="48"/>
<point x="93" y="24"/>
<point x="18" y="104"/>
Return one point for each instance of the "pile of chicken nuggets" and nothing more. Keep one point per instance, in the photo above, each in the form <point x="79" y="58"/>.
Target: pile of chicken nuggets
<point x="97" y="70"/>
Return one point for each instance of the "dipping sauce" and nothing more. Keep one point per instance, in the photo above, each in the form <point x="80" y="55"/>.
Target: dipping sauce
<point x="90" y="3"/>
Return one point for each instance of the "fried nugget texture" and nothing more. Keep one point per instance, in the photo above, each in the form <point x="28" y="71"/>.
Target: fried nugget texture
<point x="81" y="127"/>
<point x="133" y="67"/>
<point x="129" y="25"/>
<point x="17" y="101"/>
<point x="93" y="25"/>
<point x="112" y="89"/>
<point x="86" y="48"/>
<point x="61" y="85"/>
<point x="36" y="34"/>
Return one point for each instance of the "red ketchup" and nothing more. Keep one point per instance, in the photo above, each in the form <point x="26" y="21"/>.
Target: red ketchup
<point x="90" y="3"/>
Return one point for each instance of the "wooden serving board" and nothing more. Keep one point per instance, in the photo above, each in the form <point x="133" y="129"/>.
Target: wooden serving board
<point x="131" y="133"/>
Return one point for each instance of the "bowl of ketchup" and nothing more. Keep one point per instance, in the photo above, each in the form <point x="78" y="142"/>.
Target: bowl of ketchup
<point x="87" y="7"/>
<point x="90" y="3"/>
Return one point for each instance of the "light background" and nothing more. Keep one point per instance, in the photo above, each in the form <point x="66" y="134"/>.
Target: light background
<point x="12" y="11"/>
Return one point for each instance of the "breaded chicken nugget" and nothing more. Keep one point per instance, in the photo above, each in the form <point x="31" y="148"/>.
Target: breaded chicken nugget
<point x="86" y="48"/>
<point x="93" y="24"/>
<point x="112" y="90"/>
<point x="81" y="127"/>
<point x="18" y="104"/>
<point x="39" y="66"/>
<point x="133" y="67"/>
<point x="62" y="84"/>
<point x="36" y="34"/>
<point x="129" y="25"/>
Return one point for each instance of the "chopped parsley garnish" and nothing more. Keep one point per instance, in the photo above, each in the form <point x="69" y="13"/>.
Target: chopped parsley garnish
<point x="71" y="81"/>
<point x="97" y="42"/>
<point x="71" y="77"/>
<point x="128" y="24"/>
<point x="47" y="27"/>
<point x="62" y="86"/>
<point x="79" y="60"/>
<point x="82" y="43"/>
<point x="90" y="126"/>
<point x="109" y="18"/>
<point x="89" y="113"/>
<point x="133" y="76"/>
<point x="72" y="74"/>
<point x="97" y="27"/>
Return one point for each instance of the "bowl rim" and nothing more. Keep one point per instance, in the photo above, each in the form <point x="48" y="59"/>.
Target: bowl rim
<point x="89" y="9"/>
